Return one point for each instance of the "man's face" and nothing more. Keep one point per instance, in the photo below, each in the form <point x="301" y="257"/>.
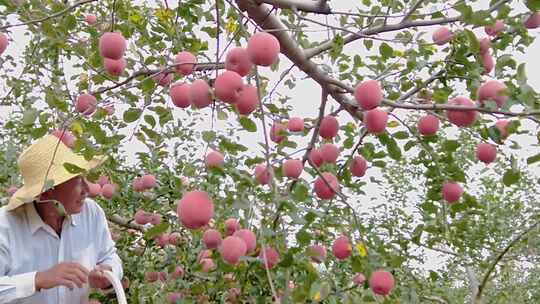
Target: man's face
<point x="71" y="194"/>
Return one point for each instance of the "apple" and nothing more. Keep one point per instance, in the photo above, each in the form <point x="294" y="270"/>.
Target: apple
<point x="368" y="94"/>
<point x="195" y="209"/>
<point x="263" y="49"/>
<point x="381" y="282"/>
<point x="112" y="45"/>
<point x="237" y="60"/>
<point x="184" y="63"/>
<point x="341" y="248"/>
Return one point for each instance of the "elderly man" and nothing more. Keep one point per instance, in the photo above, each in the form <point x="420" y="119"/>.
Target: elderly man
<point x="54" y="243"/>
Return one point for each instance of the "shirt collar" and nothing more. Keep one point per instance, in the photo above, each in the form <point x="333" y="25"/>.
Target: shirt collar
<point x="36" y="222"/>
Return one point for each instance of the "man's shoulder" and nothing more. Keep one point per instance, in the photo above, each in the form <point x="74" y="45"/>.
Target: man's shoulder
<point x="92" y="208"/>
<point x="7" y="217"/>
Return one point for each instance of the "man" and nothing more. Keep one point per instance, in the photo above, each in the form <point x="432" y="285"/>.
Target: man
<point x="54" y="243"/>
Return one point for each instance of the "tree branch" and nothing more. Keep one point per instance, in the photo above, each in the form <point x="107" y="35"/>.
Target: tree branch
<point x="309" y="6"/>
<point x="120" y="221"/>
<point x="499" y="257"/>
<point x="412" y="10"/>
<point x="57" y="14"/>
<point x="389" y="28"/>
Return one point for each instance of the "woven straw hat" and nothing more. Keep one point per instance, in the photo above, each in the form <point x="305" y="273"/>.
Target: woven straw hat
<point x="42" y="165"/>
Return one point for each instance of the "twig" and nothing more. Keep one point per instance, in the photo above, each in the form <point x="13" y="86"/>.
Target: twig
<point x="57" y="14"/>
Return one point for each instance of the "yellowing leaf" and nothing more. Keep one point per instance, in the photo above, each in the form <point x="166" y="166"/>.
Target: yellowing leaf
<point x="231" y="25"/>
<point x="163" y="14"/>
<point x="393" y="124"/>
<point x="83" y="77"/>
<point x="76" y="128"/>
<point x="317" y="296"/>
<point x="361" y="249"/>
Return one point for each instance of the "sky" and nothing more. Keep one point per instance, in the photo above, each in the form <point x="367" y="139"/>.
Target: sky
<point x="305" y="97"/>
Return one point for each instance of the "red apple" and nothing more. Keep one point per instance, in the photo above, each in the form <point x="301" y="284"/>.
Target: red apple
<point x="502" y="126"/>
<point x="200" y="94"/>
<point x="86" y="104"/>
<point x="330" y="153"/>
<point x="112" y="45"/>
<point x="115" y="67"/>
<point x="321" y="185"/>
<point x="381" y="282"/>
<point x="138" y="185"/>
<point x="262" y="176"/>
<point x="214" y="159"/>
<point x="428" y="125"/>
<point x="487" y="62"/>
<point x="142" y="217"/>
<point x="231" y="225"/>
<point x="368" y="94"/>
<point x="211" y="238"/>
<point x="174" y="297"/>
<point x="532" y="22"/>
<point x="296" y="124"/>
<point x="461" y="118"/>
<point x="228" y="85"/>
<point x="180" y="94"/>
<point x="148" y="181"/>
<point x="3" y="42"/>
<point x="485" y="44"/>
<point x="90" y="19"/>
<point x="163" y="79"/>
<point x="207" y="265"/>
<point x="341" y="248"/>
<point x="359" y="279"/>
<point x="178" y="272"/>
<point x="263" y="49"/>
<point x="94" y="190"/>
<point x="175" y="238"/>
<point x="375" y="120"/>
<point x="237" y="60"/>
<point x="108" y="191"/>
<point x="278" y="132"/>
<point x="269" y="257"/>
<point x="231" y="249"/>
<point x="248" y="100"/>
<point x="315" y="156"/>
<point x="451" y="192"/>
<point x="493" y="90"/>
<point x="486" y="153"/>
<point x="494" y="29"/>
<point x="195" y="209"/>
<point x="317" y="253"/>
<point x="185" y="63"/>
<point x="329" y="127"/>
<point x="65" y="136"/>
<point x="292" y="168"/>
<point x="248" y="237"/>
<point x="442" y="35"/>
<point x="358" y="166"/>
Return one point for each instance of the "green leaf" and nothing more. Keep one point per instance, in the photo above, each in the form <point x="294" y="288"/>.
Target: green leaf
<point x="303" y="237"/>
<point x="300" y="192"/>
<point x="132" y="115"/>
<point x="401" y="135"/>
<point x="450" y="145"/>
<point x="248" y="124"/>
<point x="29" y="117"/>
<point x="386" y="50"/>
<point x="533" y="159"/>
<point x="156" y="230"/>
<point x="533" y="5"/>
<point x="511" y="177"/>
<point x="209" y="136"/>
<point x="150" y="120"/>
<point x="73" y="169"/>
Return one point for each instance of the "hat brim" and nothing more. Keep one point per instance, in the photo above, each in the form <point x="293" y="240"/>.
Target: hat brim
<point x="27" y="193"/>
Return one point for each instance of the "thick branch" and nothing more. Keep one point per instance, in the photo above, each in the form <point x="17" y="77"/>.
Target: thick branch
<point x="289" y="47"/>
<point x="308" y="6"/>
<point x="198" y="67"/>
<point x="120" y="221"/>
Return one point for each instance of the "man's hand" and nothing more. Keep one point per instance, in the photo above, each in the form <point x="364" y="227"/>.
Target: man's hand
<point x="68" y="274"/>
<point x="97" y="278"/>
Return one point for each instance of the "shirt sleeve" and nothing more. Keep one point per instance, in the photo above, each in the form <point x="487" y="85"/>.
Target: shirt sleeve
<point x="17" y="286"/>
<point x="107" y="254"/>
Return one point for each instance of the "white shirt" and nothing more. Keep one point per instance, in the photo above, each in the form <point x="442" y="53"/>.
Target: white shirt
<point x="28" y="245"/>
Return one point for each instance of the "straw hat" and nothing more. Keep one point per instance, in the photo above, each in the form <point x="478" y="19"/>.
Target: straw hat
<point x="42" y="165"/>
